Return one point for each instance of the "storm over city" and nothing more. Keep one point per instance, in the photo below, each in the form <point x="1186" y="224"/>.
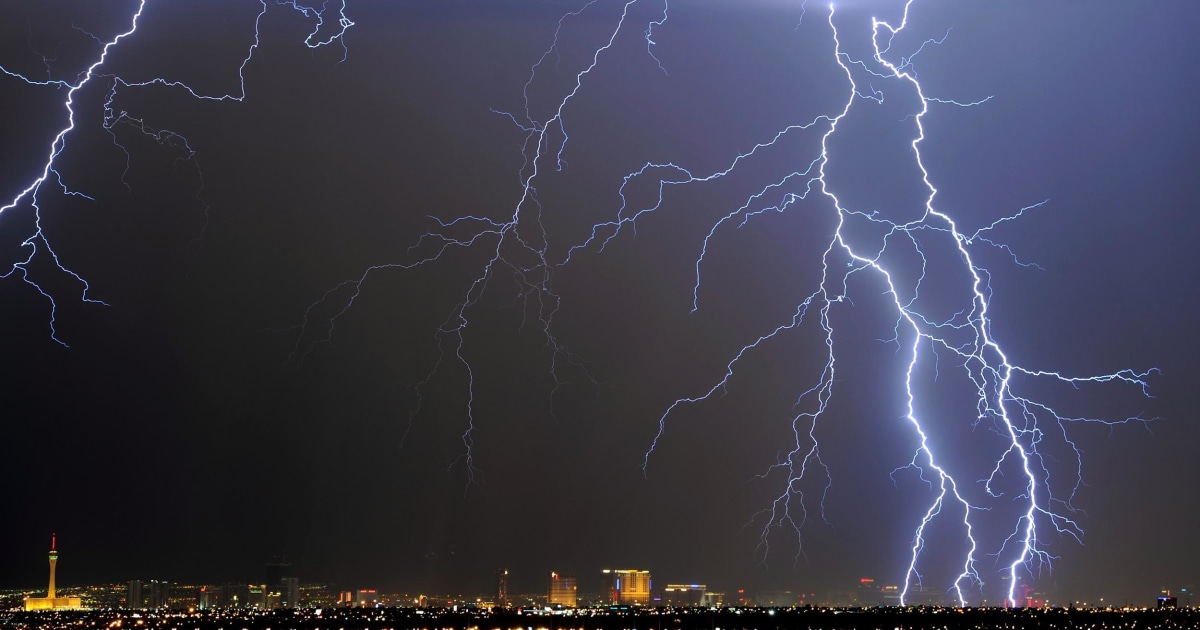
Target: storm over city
<point x="877" y="302"/>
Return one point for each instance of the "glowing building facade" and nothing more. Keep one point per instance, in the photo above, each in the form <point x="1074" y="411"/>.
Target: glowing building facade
<point x="50" y="602"/>
<point x="564" y="590"/>
<point x="684" y="594"/>
<point x="627" y="586"/>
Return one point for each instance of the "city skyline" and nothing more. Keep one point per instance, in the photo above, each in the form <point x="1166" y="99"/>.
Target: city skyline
<point x="620" y="587"/>
<point x="374" y="299"/>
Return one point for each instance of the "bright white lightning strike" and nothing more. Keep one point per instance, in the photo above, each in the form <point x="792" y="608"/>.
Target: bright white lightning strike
<point x="98" y="72"/>
<point x="518" y="244"/>
<point x="982" y="358"/>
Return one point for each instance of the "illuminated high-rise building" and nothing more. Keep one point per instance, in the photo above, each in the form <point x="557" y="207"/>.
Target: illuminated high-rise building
<point x="280" y="589"/>
<point x="627" y="586"/>
<point x="277" y="569"/>
<point x="134" y="598"/>
<point x="152" y="594"/>
<point x="684" y="594"/>
<point x="234" y="595"/>
<point x="209" y="597"/>
<point x="868" y="593"/>
<point x="290" y="589"/>
<point x="160" y="594"/>
<point x="366" y="598"/>
<point x="50" y="601"/>
<point x="563" y="591"/>
<point x="502" y="599"/>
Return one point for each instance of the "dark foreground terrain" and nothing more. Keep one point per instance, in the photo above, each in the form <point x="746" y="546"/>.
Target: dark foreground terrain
<point x="660" y="619"/>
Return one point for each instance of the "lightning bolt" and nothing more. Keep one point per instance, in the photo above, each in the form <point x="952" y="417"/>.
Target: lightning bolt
<point x="524" y="256"/>
<point x="883" y="246"/>
<point x="97" y="72"/>
<point x="980" y="355"/>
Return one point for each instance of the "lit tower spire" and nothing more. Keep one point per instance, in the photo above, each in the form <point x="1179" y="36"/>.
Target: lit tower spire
<point x="51" y="601"/>
<point x="53" y="561"/>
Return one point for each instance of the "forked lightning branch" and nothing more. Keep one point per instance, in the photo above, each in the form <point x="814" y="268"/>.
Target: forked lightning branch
<point x="1019" y="497"/>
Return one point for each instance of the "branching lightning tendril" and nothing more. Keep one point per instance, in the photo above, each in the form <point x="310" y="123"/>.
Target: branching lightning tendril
<point x="518" y="243"/>
<point x="98" y="72"/>
<point x="966" y="336"/>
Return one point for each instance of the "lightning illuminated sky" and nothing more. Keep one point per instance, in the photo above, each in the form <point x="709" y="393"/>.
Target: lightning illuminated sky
<point x="97" y="72"/>
<point x="802" y="262"/>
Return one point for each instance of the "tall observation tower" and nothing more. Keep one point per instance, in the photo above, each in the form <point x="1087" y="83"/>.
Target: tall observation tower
<point x="53" y="563"/>
<point x="50" y="602"/>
